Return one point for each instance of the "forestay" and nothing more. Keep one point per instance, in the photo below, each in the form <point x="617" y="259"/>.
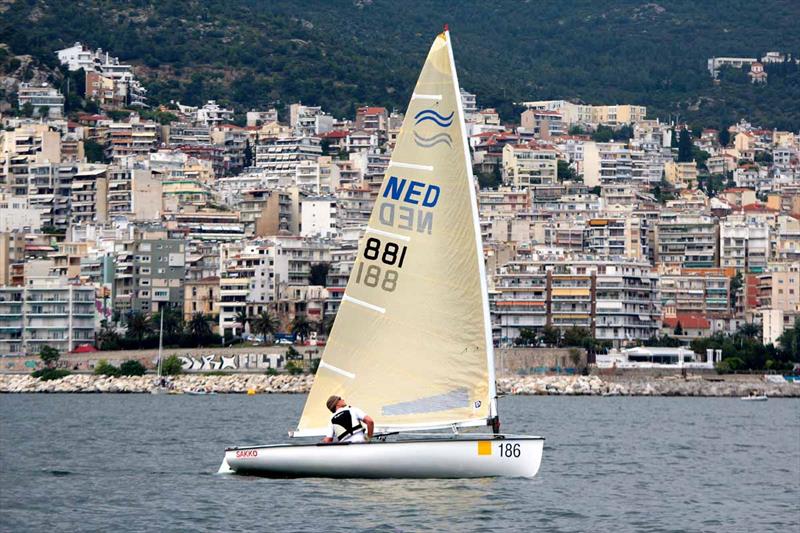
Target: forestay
<point x="411" y="344"/>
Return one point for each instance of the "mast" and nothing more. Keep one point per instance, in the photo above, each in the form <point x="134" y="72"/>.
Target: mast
<point x="160" y="340"/>
<point x="487" y="325"/>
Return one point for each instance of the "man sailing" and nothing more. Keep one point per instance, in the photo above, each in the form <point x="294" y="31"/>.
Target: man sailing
<point x="346" y="422"/>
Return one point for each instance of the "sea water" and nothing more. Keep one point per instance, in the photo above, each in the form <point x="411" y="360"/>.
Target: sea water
<point x="112" y="462"/>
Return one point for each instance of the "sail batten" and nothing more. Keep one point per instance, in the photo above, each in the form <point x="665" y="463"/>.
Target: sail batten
<point x="411" y="344"/>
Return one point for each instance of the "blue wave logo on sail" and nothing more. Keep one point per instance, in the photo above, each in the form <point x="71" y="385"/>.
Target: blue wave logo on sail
<point x="430" y="142"/>
<point x="429" y="114"/>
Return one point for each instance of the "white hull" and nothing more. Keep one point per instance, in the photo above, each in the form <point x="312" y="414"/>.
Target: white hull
<point x="754" y="398"/>
<point x="460" y="457"/>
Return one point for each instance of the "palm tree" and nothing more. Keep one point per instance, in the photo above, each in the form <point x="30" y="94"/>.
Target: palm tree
<point x="242" y="318"/>
<point x="198" y="326"/>
<point x="264" y="324"/>
<point x="173" y="321"/>
<point x="326" y="325"/>
<point x="750" y="330"/>
<point x="107" y="337"/>
<point x="138" y="326"/>
<point x="301" y="327"/>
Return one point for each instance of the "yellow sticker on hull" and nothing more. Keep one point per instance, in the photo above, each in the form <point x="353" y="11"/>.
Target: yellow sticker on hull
<point x="484" y="447"/>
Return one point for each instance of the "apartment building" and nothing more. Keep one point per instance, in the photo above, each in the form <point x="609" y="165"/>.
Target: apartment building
<point x="134" y="193"/>
<point x="686" y="240"/>
<point x="21" y="147"/>
<point x="617" y="237"/>
<point x="612" y="115"/>
<point x="309" y="121"/>
<point x="89" y="198"/>
<point x="616" y="299"/>
<point x="149" y="274"/>
<point x="318" y="216"/>
<point x="530" y="165"/>
<point x="201" y="296"/>
<point x="744" y="243"/>
<point x="46" y="312"/>
<point x="45" y="100"/>
<point x="133" y="138"/>
<point x="704" y="293"/>
<point x="372" y="119"/>
<point x="279" y="159"/>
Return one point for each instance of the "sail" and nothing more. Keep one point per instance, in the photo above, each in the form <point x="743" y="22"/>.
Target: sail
<point x="411" y="344"/>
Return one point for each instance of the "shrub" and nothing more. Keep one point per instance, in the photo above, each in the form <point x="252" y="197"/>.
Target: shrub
<point x="271" y="372"/>
<point x="293" y="368"/>
<point x="172" y="366"/>
<point x="49" y="374"/>
<point x="104" y="368"/>
<point x="49" y="356"/>
<point x="132" y="368"/>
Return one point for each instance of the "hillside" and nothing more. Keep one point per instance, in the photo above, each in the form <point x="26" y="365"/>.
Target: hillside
<point x="341" y="54"/>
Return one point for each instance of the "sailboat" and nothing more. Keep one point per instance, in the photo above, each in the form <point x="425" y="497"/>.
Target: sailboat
<point x="412" y="344"/>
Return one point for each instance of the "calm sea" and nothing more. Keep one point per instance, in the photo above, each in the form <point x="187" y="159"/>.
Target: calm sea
<point x="147" y="463"/>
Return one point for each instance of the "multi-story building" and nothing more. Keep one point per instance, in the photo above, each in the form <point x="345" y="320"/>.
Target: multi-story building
<point x="703" y="293"/>
<point x="686" y="240"/>
<point x="530" y="165"/>
<point x="318" y="216"/>
<point x="372" y="119"/>
<point x="45" y="100"/>
<point x="149" y="274"/>
<point x="591" y="115"/>
<point x="21" y="147"/>
<point x="89" y="198"/>
<point x="280" y="158"/>
<point x="615" y="299"/>
<point x="134" y="193"/>
<point x="617" y="237"/>
<point x="744" y="243"/>
<point x="46" y="312"/>
<point x="308" y="121"/>
<point x="201" y="296"/>
<point x="133" y="138"/>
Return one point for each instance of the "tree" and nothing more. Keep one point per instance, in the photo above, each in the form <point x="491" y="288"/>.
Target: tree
<point x="173" y="321"/>
<point x="242" y="318"/>
<point x="750" y="330"/>
<point x="576" y="336"/>
<point x="565" y="171"/>
<point x="301" y="327"/>
<point x="248" y="154"/>
<point x="550" y="335"/>
<point x="527" y="337"/>
<point x="318" y="274"/>
<point x="264" y="325"/>
<point x="94" y="152"/>
<point x="26" y="110"/>
<point x="685" y="146"/>
<point x="104" y="368"/>
<point x="678" y="329"/>
<point x="49" y="356"/>
<point x="138" y="327"/>
<point x="736" y="285"/>
<point x="107" y="337"/>
<point x="326" y="326"/>
<point x="724" y="136"/>
<point x="198" y="326"/>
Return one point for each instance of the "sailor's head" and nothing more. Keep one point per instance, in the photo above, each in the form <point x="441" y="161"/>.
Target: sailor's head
<point x="335" y="402"/>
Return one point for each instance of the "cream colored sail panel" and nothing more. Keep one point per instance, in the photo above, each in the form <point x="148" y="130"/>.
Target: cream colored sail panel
<point x="409" y="341"/>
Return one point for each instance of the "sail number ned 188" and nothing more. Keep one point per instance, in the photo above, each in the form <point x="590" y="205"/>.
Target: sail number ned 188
<point x="390" y="254"/>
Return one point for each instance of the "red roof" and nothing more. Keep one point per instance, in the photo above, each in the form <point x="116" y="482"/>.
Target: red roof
<point x="758" y="208"/>
<point x="335" y="134"/>
<point x="688" y="321"/>
<point x="370" y="110"/>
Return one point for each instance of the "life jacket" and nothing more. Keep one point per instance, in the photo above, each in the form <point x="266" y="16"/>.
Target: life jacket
<point x="345" y="424"/>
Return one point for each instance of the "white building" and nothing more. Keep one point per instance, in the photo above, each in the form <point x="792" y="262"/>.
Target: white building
<point x="46" y="312"/>
<point x="318" y="216"/>
<point x="45" y="100"/>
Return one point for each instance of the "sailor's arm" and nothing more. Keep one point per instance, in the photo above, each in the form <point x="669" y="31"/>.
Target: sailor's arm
<point x="370" y="426"/>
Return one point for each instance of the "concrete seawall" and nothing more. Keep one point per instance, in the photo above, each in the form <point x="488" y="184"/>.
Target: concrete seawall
<point x="527" y="385"/>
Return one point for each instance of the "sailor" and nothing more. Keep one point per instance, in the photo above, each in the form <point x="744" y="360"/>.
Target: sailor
<point x="346" y="422"/>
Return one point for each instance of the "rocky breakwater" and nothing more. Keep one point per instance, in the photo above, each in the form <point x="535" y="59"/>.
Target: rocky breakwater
<point x="541" y="385"/>
<point x="666" y="386"/>
<point x="86" y="383"/>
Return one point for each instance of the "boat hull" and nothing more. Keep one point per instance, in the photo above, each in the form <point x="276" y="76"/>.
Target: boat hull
<point x="471" y="457"/>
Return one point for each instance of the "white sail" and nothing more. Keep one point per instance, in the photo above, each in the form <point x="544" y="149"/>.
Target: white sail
<point x="411" y="344"/>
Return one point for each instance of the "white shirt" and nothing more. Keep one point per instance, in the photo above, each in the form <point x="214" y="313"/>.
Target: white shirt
<point x="358" y="416"/>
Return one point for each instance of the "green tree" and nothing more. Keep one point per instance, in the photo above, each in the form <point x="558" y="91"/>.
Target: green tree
<point x="319" y="274"/>
<point x="527" y="337"/>
<point x="724" y="136"/>
<point x="576" y="336"/>
<point x="551" y="336"/>
<point x="736" y="285"/>
<point x="750" y="330"/>
<point x="198" y="326"/>
<point x="49" y="356"/>
<point x="173" y="321"/>
<point x="565" y="171"/>
<point x="138" y="326"/>
<point x="327" y="324"/>
<point x="265" y="325"/>
<point x="301" y="327"/>
<point x="26" y="110"/>
<point x="107" y="337"/>
<point x="685" y="146"/>
<point x="678" y="329"/>
<point x="94" y="151"/>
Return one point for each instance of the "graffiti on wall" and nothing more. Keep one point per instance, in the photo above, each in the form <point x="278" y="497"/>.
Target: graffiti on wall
<point x="211" y="362"/>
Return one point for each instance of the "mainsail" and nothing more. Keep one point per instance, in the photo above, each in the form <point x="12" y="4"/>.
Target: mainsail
<point x="411" y="344"/>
